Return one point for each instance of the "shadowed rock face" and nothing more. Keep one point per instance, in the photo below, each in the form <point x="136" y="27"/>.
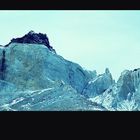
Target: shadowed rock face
<point x="33" y="38"/>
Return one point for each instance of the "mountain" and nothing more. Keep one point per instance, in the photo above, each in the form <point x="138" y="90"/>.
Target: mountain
<point x="122" y="95"/>
<point x="34" y="77"/>
<point x="33" y="38"/>
<point x="98" y="85"/>
<point x="29" y="67"/>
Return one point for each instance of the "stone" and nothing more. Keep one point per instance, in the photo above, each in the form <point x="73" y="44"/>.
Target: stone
<point x="98" y="85"/>
<point x="33" y="38"/>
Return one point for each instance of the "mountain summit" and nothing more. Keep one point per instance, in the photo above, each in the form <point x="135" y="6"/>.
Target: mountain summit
<point x="33" y="38"/>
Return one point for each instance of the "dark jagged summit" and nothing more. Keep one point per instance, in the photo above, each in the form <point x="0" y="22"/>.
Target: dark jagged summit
<point x="33" y="38"/>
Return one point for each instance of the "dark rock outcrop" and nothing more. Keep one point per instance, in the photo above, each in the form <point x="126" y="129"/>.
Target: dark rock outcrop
<point x="2" y="64"/>
<point x="33" y="38"/>
<point x="125" y="84"/>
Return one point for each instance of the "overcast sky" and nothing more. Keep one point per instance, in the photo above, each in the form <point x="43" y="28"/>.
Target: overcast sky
<point x="94" y="39"/>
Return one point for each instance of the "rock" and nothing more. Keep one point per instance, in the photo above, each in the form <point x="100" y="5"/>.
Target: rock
<point x="128" y="83"/>
<point x="107" y="71"/>
<point x="2" y="63"/>
<point x="34" y="67"/>
<point x="125" y="84"/>
<point x="33" y="38"/>
<point x="98" y="85"/>
<point x="55" y="98"/>
<point x="35" y="78"/>
<point x="123" y="95"/>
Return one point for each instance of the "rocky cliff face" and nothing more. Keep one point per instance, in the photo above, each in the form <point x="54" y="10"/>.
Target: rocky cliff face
<point x="33" y="38"/>
<point x="98" y="85"/>
<point x="29" y="64"/>
<point x="34" y="77"/>
<point x="34" y="66"/>
<point x="123" y="95"/>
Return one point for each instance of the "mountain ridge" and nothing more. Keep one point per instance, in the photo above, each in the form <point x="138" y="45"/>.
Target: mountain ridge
<point x="30" y="70"/>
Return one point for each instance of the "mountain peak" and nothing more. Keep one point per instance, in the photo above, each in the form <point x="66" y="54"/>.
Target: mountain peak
<point x="107" y="71"/>
<point x="33" y="38"/>
<point x="31" y="32"/>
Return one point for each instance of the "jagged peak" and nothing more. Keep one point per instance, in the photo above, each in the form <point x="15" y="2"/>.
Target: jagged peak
<point x="125" y="72"/>
<point x="31" y="32"/>
<point x="33" y="38"/>
<point x="107" y="71"/>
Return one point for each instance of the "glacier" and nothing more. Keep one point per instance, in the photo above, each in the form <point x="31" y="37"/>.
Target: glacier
<point x="33" y="77"/>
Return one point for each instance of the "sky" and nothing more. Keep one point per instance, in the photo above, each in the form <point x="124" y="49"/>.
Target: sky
<point x="95" y="39"/>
